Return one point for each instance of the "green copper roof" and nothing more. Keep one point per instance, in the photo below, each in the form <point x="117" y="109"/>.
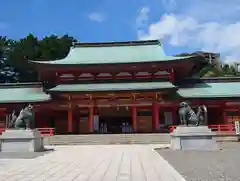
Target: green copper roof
<point x="22" y="94"/>
<point x="118" y="52"/>
<point x="101" y="87"/>
<point x="211" y="90"/>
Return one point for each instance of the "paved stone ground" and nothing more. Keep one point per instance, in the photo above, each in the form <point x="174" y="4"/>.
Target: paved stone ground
<point x="222" y="165"/>
<point x="22" y="155"/>
<point x="92" y="163"/>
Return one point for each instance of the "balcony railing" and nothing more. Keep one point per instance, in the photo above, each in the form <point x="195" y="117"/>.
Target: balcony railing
<point x="43" y="131"/>
<point x="222" y="129"/>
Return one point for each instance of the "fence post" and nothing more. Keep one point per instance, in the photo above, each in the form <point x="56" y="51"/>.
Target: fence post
<point x="237" y="129"/>
<point x="51" y="131"/>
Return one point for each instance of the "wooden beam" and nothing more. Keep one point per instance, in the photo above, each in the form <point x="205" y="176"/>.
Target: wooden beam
<point x="65" y="105"/>
<point x="110" y="94"/>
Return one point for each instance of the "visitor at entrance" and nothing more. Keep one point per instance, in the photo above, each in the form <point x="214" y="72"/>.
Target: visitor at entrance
<point x="123" y="127"/>
<point x="103" y="128"/>
<point x="126" y="128"/>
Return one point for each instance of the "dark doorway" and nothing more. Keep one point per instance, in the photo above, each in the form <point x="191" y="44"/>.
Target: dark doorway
<point x="115" y="125"/>
<point x="115" y="120"/>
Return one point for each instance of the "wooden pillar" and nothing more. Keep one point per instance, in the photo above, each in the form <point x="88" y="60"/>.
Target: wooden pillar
<point x="156" y="116"/>
<point x="4" y="112"/>
<point x="172" y="75"/>
<point x="70" y="121"/>
<point x="70" y="116"/>
<point x="91" y="117"/>
<point x="134" y="118"/>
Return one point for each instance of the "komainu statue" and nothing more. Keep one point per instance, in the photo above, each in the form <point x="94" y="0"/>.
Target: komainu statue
<point x="189" y="117"/>
<point x="24" y="119"/>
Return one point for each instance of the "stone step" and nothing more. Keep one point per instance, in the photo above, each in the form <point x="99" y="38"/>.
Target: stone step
<point x="103" y="138"/>
<point x="128" y="139"/>
<point x="104" y="143"/>
<point x="108" y="139"/>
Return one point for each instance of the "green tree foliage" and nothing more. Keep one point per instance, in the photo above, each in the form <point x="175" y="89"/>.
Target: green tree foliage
<point x="216" y="69"/>
<point x="31" y="48"/>
<point x="7" y="73"/>
<point x="22" y="51"/>
<point x="225" y="71"/>
<point x="53" y="47"/>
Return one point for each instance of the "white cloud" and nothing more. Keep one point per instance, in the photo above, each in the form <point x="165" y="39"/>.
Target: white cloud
<point x="142" y="20"/>
<point x="191" y="27"/>
<point x="98" y="17"/>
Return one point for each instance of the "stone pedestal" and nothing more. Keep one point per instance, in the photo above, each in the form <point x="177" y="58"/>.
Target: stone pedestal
<point x="14" y="140"/>
<point x="193" y="138"/>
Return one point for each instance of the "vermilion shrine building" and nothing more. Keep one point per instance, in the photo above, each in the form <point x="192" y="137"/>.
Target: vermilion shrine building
<point x="104" y="87"/>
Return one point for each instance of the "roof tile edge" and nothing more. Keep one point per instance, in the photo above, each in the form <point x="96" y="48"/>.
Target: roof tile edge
<point x="123" y="43"/>
<point x="21" y="85"/>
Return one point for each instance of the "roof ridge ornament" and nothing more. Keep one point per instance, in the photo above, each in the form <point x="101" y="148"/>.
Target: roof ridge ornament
<point x="160" y="42"/>
<point x="74" y="44"/>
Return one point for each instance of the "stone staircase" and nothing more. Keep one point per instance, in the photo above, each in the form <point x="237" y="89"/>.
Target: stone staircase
<point x="106" y="139"/>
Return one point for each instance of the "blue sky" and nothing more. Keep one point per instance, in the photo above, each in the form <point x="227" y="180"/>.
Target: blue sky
<point x="183" y="26"/>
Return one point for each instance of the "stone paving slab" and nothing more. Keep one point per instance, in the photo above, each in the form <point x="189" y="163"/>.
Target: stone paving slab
<point x="23" y="155"/>
<point x="92" y="163"/>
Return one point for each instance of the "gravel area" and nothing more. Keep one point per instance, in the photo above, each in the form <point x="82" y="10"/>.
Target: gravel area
<point x="222" y="165"/>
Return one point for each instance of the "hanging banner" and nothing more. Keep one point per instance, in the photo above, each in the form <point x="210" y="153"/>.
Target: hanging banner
<point x="237" y="127"/>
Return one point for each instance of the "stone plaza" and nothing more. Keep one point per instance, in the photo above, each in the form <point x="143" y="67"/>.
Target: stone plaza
<point x="92" y="163"/>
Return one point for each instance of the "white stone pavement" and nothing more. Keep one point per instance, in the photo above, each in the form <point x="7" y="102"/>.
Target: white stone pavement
<point x="92" y="163"/>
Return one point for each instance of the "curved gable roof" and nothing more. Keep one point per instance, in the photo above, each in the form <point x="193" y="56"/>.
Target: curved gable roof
<point x="115" y="52"/>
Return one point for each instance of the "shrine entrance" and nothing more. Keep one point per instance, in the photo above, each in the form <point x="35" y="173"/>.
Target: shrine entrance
<point x="115" y="120"/>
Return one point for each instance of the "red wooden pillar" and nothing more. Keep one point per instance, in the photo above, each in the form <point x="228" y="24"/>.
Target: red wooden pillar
<point x="156" y="116"/>
<point x="4" y="113"/>
<point x="91" y="117"/>
<point x="134" y="118"/>
<point x="172" y="75"/>
<point x="70" y="121"/>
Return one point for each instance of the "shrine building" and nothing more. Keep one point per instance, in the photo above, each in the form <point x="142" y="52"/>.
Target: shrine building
<point x="119" y="87"/>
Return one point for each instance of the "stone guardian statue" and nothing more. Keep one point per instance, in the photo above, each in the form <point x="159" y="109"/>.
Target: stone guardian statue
<point x="24" y="119"/>
<point x="189" y="117"/>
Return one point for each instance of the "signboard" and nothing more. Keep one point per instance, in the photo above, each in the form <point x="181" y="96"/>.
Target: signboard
<point x="237" y="128"/>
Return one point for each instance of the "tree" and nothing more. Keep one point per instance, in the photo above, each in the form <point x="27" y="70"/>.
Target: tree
<point x="7" y="72"/>
<point x="53" y="47"/>
<point x="31" y="48"/>
<point x="21" y="51"/>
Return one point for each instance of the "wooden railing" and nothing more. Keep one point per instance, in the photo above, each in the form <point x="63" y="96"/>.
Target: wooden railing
<point x="171" y="128"/>
<point x="46" y="131"/>
<point x="43" y="131"/>
<point x="219" y="128"/>
<point x="222" y="127"/>
<point x="2" y="130"/>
